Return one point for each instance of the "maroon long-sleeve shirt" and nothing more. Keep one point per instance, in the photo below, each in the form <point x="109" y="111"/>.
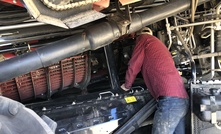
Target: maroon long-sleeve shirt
<point x="152" y="58"/>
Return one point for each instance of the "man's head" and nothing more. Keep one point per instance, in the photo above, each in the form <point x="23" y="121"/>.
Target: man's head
<point x="145" y="30"/>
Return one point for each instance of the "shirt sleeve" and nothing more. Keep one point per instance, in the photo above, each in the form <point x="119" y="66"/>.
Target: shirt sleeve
<point x="135" y="63"/>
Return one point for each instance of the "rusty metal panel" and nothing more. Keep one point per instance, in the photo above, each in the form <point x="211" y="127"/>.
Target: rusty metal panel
<point x="9" y="89"/>
<point x="79" y="68"/>
<point x="55" y="76"/>
<point x="67" y="73"/>
<point x="39" y="81"/>
<point x="24" y="86"/>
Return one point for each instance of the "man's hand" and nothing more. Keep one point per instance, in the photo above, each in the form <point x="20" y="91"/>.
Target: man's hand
<point x="124" y="88"/>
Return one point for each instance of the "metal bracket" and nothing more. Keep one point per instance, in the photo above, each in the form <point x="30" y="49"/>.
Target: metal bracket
<point x="136" y="89"/>
<point x="213" y="111"/>
<point x="213" y="107"/>
<point x="122" y="18"/>
<point x="126" y="14"/>
<point x="103" y="93"/>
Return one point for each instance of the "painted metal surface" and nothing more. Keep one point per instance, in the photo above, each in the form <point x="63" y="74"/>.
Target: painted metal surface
<point x="14" y="2"/>
<point x="37" y="84"/>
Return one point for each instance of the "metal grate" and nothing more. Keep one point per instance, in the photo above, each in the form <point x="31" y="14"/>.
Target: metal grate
<point x="9" y="89"/>
<point x="24" y="86"/>
<point x="55" y="76"/>
<point x="39" y="81"/>
<point x="44" y="82"/>
<point x="80" y="69"/>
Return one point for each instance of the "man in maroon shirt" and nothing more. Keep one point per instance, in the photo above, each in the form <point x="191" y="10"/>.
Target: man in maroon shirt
<point x="152" y="58"/>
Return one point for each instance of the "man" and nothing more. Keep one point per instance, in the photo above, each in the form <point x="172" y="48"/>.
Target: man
<point x="152" y="58"/>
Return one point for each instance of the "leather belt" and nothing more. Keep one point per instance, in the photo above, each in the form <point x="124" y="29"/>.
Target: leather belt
<point x="165" y="97"/>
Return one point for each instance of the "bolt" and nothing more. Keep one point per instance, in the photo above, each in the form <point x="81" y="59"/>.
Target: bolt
<point x="117" y="35"/>
<point x="96" y="122"/>
<point x="44" y="109"/>
<point x="79" y="125"/>
<point x="111" y="117"/>
<point x="124" y="113"/>
<point x="13" y="110"/>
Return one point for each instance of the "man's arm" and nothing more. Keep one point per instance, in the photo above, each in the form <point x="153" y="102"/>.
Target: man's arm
<point x="135" y="64"/>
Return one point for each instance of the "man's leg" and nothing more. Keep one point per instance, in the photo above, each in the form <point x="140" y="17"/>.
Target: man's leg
<point x="168" y="115"/>
<point x="180" y="129"/>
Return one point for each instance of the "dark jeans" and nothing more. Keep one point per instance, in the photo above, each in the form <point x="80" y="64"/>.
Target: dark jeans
<point x="169" y="117"/>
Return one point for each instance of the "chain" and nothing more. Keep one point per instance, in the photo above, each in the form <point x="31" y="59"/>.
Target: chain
<point x="67" y="5"/>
